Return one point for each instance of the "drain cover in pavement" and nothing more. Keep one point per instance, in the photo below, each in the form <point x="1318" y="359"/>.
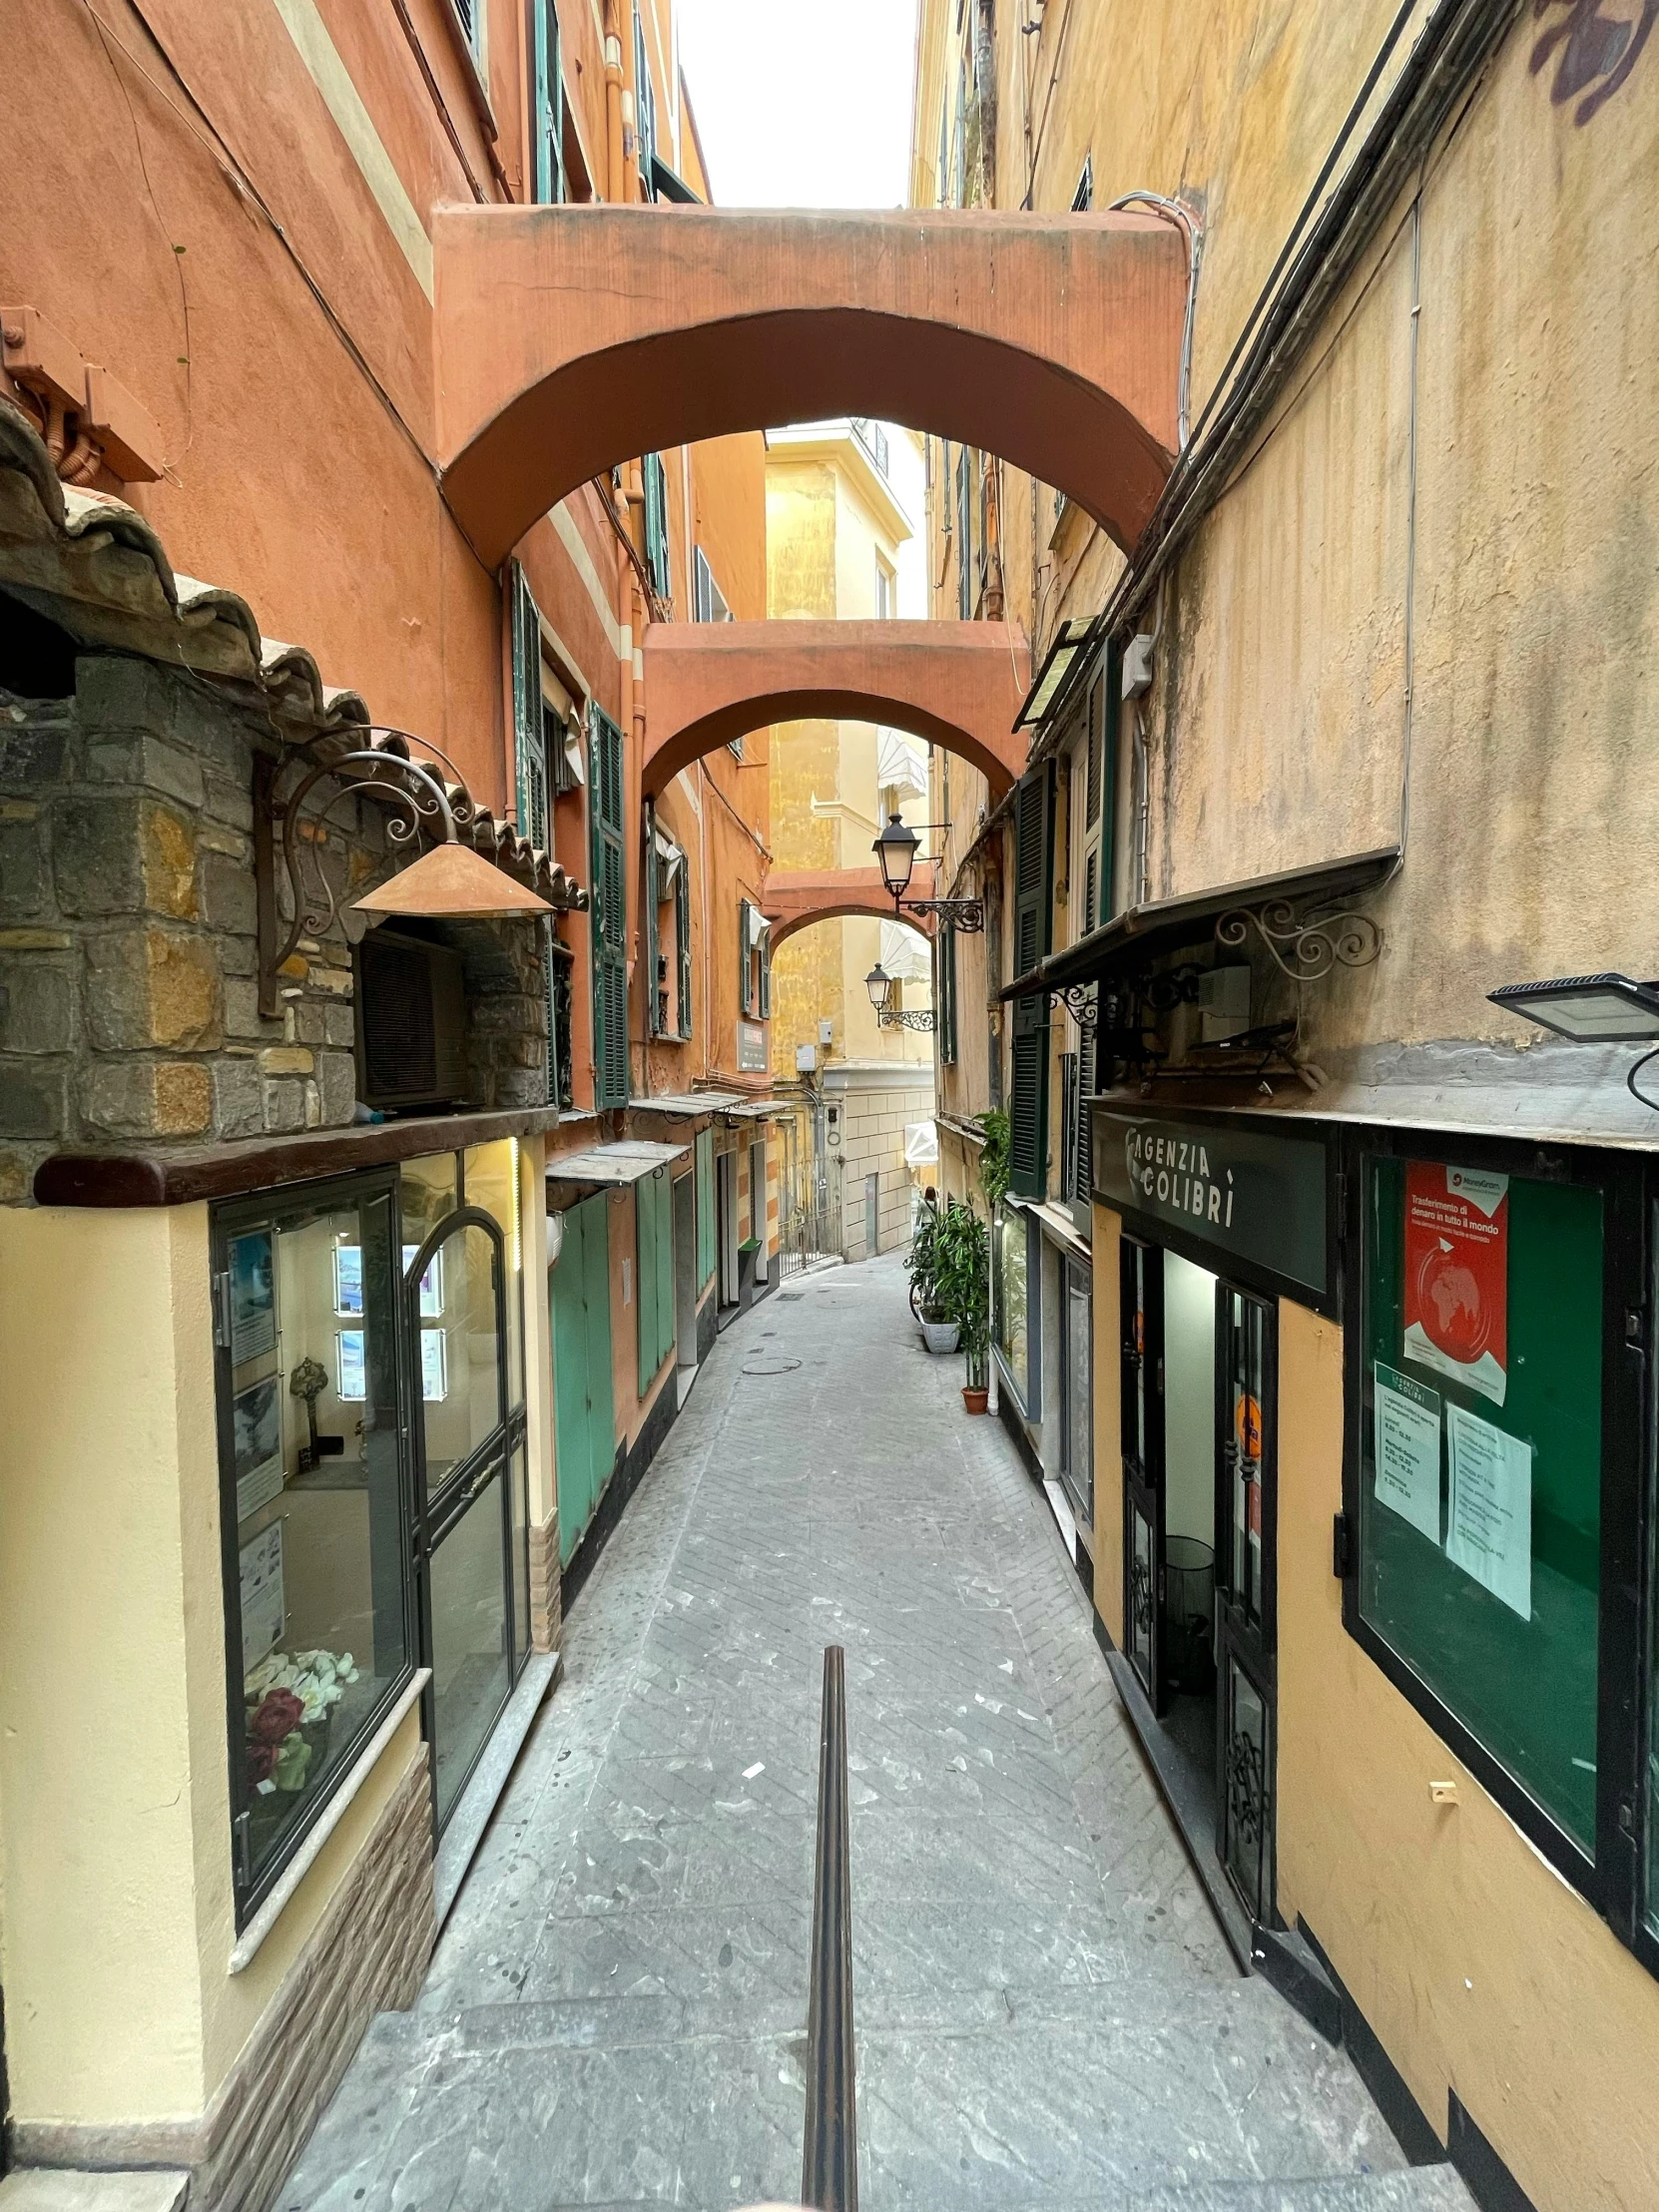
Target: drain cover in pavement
<point x="769" y="1363"/>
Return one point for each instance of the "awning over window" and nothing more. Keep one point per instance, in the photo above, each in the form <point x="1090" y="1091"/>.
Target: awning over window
<point x="900" y="763"/>
<point x="905" y="954"/>
<point x="611" y="1166"/>
<point x="1168" y="925"/>
<point x="1066" y="659"/>
<point x="921" y="1144"/>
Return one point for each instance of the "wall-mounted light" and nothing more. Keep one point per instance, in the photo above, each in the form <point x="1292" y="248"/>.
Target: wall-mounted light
<point x="879" y="983"/>
<point x="896" y="849"/>
<point x="1592" y="1009"/>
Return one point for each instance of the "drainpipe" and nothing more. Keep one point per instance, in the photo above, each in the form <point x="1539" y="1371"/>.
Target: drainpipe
<point x="614" y="144"/>
<point x="630" y="193"/>
<point x="993" y="1402"/>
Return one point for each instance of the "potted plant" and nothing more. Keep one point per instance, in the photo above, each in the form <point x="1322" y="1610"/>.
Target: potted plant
<point x="962" y="1254"/>
<point x="938" y="1327"/>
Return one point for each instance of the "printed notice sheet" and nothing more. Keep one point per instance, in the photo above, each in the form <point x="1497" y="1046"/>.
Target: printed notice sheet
<point x="1408" y="1449"/>
<point x="1489" y="1527"/>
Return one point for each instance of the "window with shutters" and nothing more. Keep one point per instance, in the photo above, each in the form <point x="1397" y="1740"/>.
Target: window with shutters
<point x="608" y="919"/>
<point x="1068" y="1123"/>
<point x="470" y="16"/>
<point x="1028" y="1051"/>
<point x="709" y="605"/>
<point x="965" y="536"/>
<point x="681" y="933"/>
<point x="549" y="183"/>
<point x="658" y="565"/>
<point x="668" y="917"/>
<point x="754" y="962"/>
<point x="654" y="1272"/>
<point x="645" y="110"/>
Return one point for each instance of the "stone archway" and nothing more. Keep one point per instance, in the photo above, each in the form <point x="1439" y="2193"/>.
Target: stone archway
<point x="795" y="898"/>
<point x="956" y="684"/>
<point x="569" y="339"/>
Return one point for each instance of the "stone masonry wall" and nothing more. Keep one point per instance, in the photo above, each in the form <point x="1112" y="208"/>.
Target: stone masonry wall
<point x="129" y="993"/>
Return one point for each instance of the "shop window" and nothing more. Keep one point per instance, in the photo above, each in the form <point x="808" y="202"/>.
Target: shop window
<point x="1077" y="1387"/>
<point x="319" y="1612"/>
<point x="1481" y="1462"/>
<point x="1015" y="1318"/>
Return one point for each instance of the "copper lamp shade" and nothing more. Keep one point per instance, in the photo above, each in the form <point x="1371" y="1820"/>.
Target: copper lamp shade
<point x="452" y="880"/>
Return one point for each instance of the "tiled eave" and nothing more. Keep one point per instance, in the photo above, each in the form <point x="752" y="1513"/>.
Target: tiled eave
<point x="97" y="568"/>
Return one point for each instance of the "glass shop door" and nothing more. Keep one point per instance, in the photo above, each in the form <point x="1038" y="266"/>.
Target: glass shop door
<point x="1142" y="1413"/>
<point x="466" y="1453"/>
<point x="1247" y="1502"/>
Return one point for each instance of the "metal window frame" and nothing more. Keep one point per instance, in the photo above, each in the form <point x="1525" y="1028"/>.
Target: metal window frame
<point x="234" y="1218"/>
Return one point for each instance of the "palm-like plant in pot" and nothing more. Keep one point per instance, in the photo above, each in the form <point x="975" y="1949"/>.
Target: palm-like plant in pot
<point x="961" y="1266"/>
<point x="938" y="1325"/>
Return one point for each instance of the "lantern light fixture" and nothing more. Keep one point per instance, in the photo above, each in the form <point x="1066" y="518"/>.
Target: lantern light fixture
<point x="896" y="849"/>
<point x="879" y="983"/>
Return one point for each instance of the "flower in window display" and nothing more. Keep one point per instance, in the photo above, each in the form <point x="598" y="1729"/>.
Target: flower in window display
<point x="276" y="1716"/>
<point x="293" y="1758"/>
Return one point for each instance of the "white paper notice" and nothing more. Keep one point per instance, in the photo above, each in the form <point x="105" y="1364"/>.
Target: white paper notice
<point x="263" y="1609"/>
<point x="1489" y="1527"/>
<point x="1408" y="1449"/>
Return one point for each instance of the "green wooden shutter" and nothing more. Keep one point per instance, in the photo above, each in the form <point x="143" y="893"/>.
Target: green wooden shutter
<point x="645" y="108"/>
<point x="547" y="107"/>
<point x="745" y="969"/>
<point x="682" y="930"/>
<point x="765" y="972"/>
<point x="1028" y="1051"/>
<point x="579" y="1293"/>
<point x="705" y="1206"/>
<point x="656" y="526"/>
<point x="945" y="993"/>
<point x="529" y="741"/>
<point x="1111" y="724"/>
<point x="653" y="1002"/>
<point x="608" y="919"/>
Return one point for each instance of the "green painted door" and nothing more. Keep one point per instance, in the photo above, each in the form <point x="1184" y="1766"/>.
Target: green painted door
<point x="579" y="1296"/>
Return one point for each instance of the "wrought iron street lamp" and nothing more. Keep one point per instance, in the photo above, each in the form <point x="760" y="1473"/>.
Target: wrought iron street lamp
<point x="897" y="848"/>
<point x="879" y="983"/>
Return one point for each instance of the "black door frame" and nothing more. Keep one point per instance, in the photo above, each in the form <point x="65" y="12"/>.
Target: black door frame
<point x="1246" y="1796"/>
<point x="435" y="1515"/>
<point x="1141" y="1331"/>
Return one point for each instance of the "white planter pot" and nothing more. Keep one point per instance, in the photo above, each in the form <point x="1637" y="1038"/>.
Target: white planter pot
<point x="941" y="1335"/>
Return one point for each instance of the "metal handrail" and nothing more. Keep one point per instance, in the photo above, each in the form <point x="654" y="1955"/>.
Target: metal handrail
<point x="830" y="2154"/>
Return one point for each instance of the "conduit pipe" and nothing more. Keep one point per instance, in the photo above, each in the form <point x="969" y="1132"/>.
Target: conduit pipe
<point x="1173" y="211"/>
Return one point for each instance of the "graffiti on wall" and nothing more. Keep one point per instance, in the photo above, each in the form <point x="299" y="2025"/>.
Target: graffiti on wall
<point x="1596" y="44"/>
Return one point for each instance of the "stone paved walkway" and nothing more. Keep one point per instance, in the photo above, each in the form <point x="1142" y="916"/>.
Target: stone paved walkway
<point x="1047" y="2016"/>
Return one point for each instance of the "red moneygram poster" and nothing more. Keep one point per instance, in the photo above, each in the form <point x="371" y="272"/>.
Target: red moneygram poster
<point x="1458" y="1275"/>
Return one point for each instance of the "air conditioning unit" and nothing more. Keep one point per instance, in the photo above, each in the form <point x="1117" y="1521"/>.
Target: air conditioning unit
<point x="411" y="1023"/>
<point x="1223" y="1004"/>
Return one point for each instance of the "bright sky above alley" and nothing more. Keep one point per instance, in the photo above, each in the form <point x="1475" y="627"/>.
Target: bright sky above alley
<point x="802" y="103"/>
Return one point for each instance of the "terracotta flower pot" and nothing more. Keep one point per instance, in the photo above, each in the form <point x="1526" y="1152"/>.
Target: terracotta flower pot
<point x="975" y="1401"/>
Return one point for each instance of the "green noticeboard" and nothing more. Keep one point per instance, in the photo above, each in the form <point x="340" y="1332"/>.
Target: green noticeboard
<point x="1481" y="1464"/>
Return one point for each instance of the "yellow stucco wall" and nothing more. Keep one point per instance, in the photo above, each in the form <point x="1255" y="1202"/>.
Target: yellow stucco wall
<point x="1477" y="1965"/>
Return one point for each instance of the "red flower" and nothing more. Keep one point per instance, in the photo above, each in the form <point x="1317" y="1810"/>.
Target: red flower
<point x="279" y="1716"/>
<point x="262" y="1763"/>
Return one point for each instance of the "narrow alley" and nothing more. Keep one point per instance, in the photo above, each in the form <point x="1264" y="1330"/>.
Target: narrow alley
<point x="1046" y="2011"/>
